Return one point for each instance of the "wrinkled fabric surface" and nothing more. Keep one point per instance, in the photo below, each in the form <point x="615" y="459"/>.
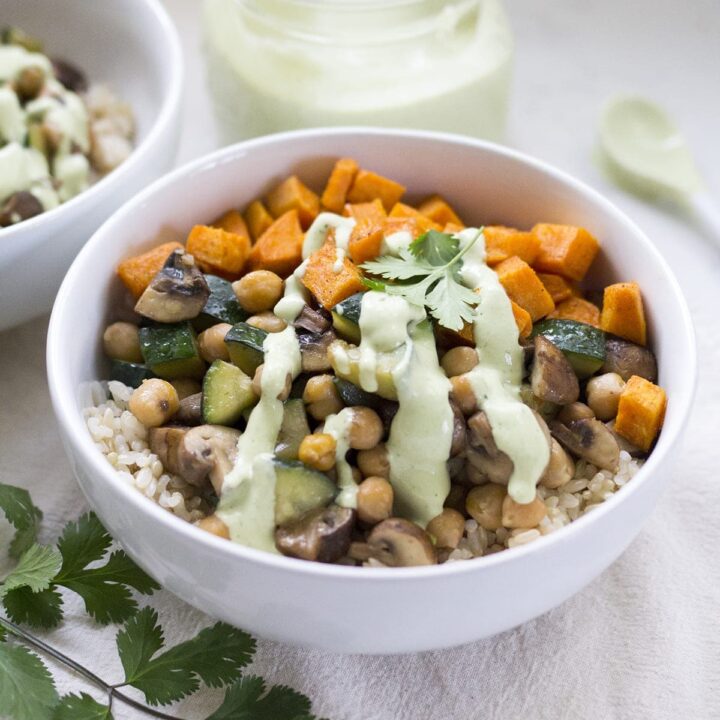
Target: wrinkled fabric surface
<point x="642" y="640"/>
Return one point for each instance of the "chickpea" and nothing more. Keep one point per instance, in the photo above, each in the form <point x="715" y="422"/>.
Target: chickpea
<point x="484" y="504"/>
<point x="366" y="428"/>
<point x="267" y="321"/>
<point x="212" y="343"/>
<point x="374" y="500"/>
<point x="515" y="515"/>
<point x="560" y="469"/>
<point x="29" y="82"/>
<point x="257" y="384"/>
<point x="575" y="411"/>
<point x="154" y="402"/>
<point x="603" y="395"/>
<point x="213" y="524"/>
<point x="463" y="394"/>
<point x="459" y="360"/>
<point x="258" y="290"/>
<point x="318" y="451"/>
<point x="121" y="341"/>
<point x="447" y="528"/>
<point x="374" y="461"/>
<point x="321" y="397"/>
<point x="185" y="387"/>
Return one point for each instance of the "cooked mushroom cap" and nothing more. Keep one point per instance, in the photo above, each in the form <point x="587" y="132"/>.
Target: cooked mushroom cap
<point x="552" y="378"/>
<point x="628" y="359"/>
<point x="165" y="443"/>
<point x="322" y="535"/>
<point x="178" y="291"/>
<point x="588" y="439"/>
<point x="313" y="350"/>
<point x="207" y="451"/>
<point x="190" y="412"/>
<point x="401" y="543"/>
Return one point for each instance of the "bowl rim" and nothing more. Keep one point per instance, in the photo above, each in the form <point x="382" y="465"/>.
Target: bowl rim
<point x="163" y="120"/>
<point x="69" y="417"/>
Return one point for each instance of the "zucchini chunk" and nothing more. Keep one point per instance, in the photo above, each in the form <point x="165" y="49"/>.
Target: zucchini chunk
<point x="129" y="373"/>
<point x="346" y="318"/>
<point x="221" y="306"/>
<point x="582" y="344"/>
<point x="171" y="350"/>
<point x="245" y="345"/>
<point x="345" y="361"/>
<point x="293" y="429"/>
<point x="299" y="489"/>
<point x="227" y="392"/>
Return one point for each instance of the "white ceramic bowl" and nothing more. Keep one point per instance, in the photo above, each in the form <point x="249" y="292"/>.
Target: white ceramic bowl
<point x="354" y="609"/>
<point x="132" y="46"/>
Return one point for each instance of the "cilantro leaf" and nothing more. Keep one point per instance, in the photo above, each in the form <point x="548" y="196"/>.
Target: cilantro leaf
<point x="214" y="656"/>
<point x="247" y="700"/>
<point x="15" y="502"/>
<point x="81" y="707"/>
<point x="436" y="248"/>
<point x="41" y="609"/>
<point x="104" y="589"/>
<point x="427" y="274"/>
<point x="37" y="567"/>
<point x="27" y="690"/>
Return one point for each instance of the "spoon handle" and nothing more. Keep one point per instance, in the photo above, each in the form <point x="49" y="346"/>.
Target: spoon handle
<point x="706" y="214"/>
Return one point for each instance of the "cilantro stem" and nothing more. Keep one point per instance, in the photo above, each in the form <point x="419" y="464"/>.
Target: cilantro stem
<point x="111" y="690"/>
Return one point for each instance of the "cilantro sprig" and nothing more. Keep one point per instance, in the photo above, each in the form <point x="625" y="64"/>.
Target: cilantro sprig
<point x="427" y="274"/>
<point x="30" y="595"/>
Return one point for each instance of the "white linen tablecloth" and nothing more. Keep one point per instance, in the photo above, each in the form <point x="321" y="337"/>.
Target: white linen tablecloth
<point x="641" y="641"/>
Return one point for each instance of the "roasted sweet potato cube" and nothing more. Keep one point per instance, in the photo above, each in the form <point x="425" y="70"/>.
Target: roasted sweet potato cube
<point x="558" y="287"/>
<point x="502" y="243"/>
<point x="136" y="272"/>
<point x="366" y="211"/>
<point x="325" y="281"/>
<point x="522" y="319"/>
<point x="439" y="211"/>
<point x="623" y="313"/>
<point x="293" y="194"/>
<point x="575" y="308"/>
<point x="365" y="240"/>
<point x="279" y="248"/>
<point x="416" y="226"/>
<point x="453" y="228"/>
<point x="368" y="186"/>
<point x="338" y="184"/>
<point x="565" y="250"/>
<point x="641" y="412"/>
<point x="217" y="251"/>
<point x="232" y="221"/>
<point x="401" y="210"/>
<point x="524" y="287"/>
<point x="258" y="219"/>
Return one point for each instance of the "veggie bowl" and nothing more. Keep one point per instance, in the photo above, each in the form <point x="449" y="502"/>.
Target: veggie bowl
<point x="395" y="428"/>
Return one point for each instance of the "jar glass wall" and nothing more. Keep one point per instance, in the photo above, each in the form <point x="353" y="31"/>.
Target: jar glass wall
<point x="434" y="64"/>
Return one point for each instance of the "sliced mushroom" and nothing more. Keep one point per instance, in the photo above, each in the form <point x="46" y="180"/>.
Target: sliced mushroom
<point x="207" y="451"/>
<point x="313" y="350"/>
<point x="322" y="535"/>
<point x="165" y="443"/>
<point x="314" y="321"/>
<point x="18" y="207"/>
<point x="628" y="359"/>
<point x="400" y="543"/>
<point x="588" y="439"/>
<point x="456" y="466"/>
<point x="574" y="411"/>
<point x="190" y="412"/>
<point x="178" y="292"/>
<point x="459" y="435"/>
<point x="487" y="461"/>
<point x="552" y="378"/>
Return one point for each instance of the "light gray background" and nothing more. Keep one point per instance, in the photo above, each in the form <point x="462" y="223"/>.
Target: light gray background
<point x="642" y="640"/>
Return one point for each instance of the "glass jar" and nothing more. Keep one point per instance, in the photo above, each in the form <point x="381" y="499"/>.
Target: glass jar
<point x="432" y="64"/>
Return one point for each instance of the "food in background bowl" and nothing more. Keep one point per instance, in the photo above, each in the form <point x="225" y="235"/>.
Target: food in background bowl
<point x="56" y="131"/>
<point x="376" y="384"/>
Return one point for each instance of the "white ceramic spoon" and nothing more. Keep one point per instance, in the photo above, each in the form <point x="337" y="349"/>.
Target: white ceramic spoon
<point x="647" y="154"/>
